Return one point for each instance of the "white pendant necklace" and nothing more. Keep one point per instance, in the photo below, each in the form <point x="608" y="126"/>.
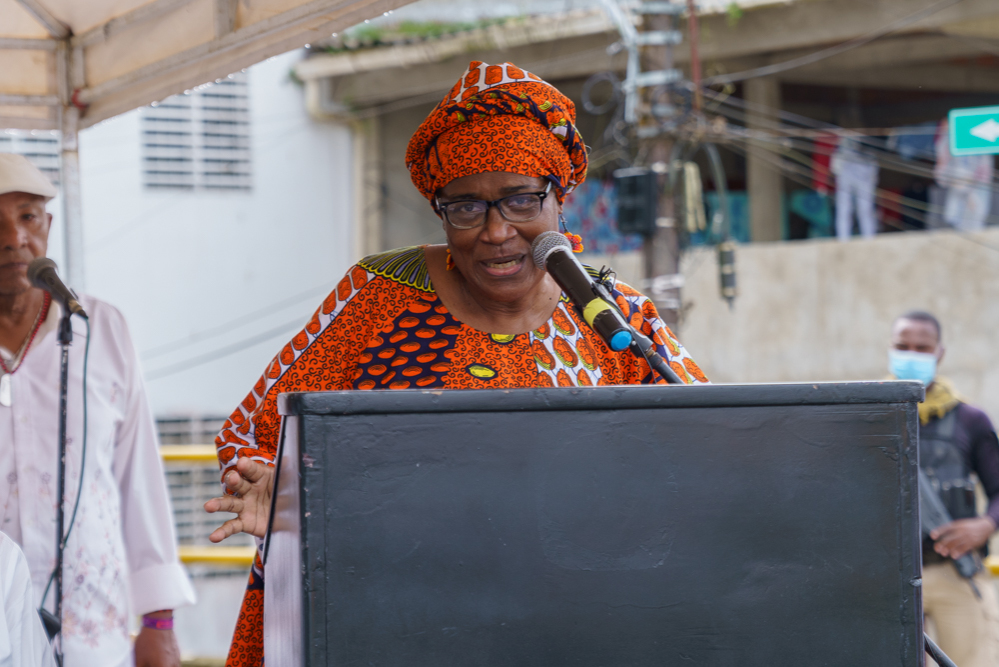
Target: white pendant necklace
<point x="6" y="390"/>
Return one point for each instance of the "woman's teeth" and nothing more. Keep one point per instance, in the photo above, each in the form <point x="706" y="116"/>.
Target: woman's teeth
<point x="503" y="265"/>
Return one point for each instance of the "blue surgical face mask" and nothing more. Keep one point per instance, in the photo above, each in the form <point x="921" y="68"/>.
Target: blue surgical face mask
<point x="907" y="365"/>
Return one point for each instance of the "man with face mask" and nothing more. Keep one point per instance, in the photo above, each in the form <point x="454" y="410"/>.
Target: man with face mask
<point x="955" y="440"/>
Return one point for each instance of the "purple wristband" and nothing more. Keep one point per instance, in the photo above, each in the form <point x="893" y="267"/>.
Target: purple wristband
<point x="157" y="623"/>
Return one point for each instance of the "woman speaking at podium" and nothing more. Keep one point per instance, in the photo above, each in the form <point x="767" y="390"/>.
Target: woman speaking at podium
<point x="496" y="159"/>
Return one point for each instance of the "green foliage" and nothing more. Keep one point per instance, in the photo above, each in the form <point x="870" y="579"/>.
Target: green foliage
<point x="734" y="12"/>
<point x="426" y="30"/>
<point x="369" y="35"/>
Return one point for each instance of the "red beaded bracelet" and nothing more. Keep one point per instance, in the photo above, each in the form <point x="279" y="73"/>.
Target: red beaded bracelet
<point x="157" y="623"/>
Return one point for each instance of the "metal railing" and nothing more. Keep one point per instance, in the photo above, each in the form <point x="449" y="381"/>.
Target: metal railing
<point x="217" y="555"/>
<point x="218" y="571"/>
<point x="192" y="472"/>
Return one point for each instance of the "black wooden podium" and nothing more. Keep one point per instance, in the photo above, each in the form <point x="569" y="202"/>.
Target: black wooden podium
<point x="740" y="525"/>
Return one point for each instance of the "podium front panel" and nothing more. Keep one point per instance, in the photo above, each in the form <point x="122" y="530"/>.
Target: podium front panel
<point x="640" y="526"/>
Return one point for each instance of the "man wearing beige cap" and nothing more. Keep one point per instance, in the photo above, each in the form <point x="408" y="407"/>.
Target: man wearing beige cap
<point x="121" y="556"/>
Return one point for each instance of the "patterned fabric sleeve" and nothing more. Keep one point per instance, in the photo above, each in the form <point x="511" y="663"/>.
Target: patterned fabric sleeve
<point x="322" y="357"/>
<point x="642" y="315"/>
<point x="318" y="358"/>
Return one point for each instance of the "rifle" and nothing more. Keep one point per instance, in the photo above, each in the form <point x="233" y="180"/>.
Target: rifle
<point x="932" y="515"/>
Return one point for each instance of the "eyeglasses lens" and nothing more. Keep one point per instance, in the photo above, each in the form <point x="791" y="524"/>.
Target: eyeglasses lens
<point x="466" y="213"/>
<point x="518" y="208"/>
<point x="521" y="207"/>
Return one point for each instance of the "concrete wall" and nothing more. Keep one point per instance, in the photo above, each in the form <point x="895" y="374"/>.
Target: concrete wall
<point x="407" y="218"/>
<point x="822" y="310"/>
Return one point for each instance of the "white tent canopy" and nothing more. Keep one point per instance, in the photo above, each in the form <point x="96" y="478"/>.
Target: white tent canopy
<point x="110" y="56"/>
<point x="67" y="64"/>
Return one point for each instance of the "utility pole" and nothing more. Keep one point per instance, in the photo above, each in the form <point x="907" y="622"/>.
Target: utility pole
<point x="694" y="36"/>
<point x="647" y="108"/>
<point x="662" y="246"/>
<point x="647" y="104"/>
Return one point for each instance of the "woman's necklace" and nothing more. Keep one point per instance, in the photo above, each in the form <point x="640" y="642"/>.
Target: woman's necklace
<point x="22" y="352"/>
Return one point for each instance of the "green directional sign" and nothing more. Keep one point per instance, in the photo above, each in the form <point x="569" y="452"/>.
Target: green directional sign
<point x="974" y="131"/>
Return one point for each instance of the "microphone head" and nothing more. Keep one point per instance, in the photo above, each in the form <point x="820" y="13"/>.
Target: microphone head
<point x="35" y="268"/>
<point x="545" y="244"/>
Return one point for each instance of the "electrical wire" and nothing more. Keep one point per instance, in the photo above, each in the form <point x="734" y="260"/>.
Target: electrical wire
<point x="888" y="200"/>
<point x="811" y="58"/>
<point x="248" y="318"/>
<point x="884" y="161"/>
<point x="435" y="92"/>
<point x="790" y="171"/>
<point x="177" y="198"/>
<point x="883" y="154"/>
<point x="242" y="320"/>
<point x="806" y="161"/>
<point x="806" y="169"/>
<point x="149" y="215"/>
<point x="607" y="105"/>
<point x="818" y="126"/>
<point x="225" y="351"/>
<point x="805" y="176"/>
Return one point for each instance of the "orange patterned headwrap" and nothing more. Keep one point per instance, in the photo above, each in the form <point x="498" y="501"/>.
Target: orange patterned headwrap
<point x="498" y="118"/>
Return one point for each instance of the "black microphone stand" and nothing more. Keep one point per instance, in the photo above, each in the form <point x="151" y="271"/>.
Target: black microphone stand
<point x="938" y="656"/>
<point x="65" y="340"/>
<point x="643" y="348"/>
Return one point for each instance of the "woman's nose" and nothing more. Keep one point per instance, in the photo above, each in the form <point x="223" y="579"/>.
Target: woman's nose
<point x="497" y="229"/>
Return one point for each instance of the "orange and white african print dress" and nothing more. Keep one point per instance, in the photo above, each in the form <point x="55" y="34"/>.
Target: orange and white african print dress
<point x="383" y="327"/>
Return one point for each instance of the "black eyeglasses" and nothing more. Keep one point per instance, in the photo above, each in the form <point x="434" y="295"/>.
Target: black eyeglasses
<point x="471" y="213"/>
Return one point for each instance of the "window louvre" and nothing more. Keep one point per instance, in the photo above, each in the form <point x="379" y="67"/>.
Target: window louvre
<point x="200" y="139"/>
<point x="39" y="146"/>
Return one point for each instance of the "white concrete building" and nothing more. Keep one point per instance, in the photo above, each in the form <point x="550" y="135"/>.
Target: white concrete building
<point x="215" y="273"/>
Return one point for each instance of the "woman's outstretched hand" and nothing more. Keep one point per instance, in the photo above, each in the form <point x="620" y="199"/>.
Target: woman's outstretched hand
<point x="252" y="484"/>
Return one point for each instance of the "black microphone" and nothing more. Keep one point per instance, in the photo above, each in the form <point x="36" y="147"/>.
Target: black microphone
<point x="44" y="274"/>
<point x="553" y="253"/>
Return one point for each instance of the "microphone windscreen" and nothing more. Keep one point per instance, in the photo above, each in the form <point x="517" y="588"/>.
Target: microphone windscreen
<point x="38" y="265"/>
<point x="545" y="244"/>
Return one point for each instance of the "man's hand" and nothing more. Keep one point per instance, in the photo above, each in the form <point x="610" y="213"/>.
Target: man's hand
<point x="251" y="482"/>
<point x="957" y="538"/>
<point x="157" y="648"/>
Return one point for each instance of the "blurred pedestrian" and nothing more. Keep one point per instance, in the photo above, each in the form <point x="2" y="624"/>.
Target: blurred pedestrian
<point x="968" y="183"/>
<point x="121" y="555"/>
<point x="856" y="181"/>
<point x="956" y="440"/>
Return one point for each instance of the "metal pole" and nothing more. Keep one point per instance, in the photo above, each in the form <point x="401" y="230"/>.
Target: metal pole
<point x="694" y="35"/>
<point x="662" y="247"/>
<point x="69" y="122"/>
<point x="65" y="339"/>
<point x="938" y="656"/>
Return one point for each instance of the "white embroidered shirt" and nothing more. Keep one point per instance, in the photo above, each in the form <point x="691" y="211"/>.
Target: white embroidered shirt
<point x="121" y="557"/>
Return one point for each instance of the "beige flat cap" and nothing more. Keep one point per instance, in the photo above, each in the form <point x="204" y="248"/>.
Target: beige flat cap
<point x="17" y="174"/>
